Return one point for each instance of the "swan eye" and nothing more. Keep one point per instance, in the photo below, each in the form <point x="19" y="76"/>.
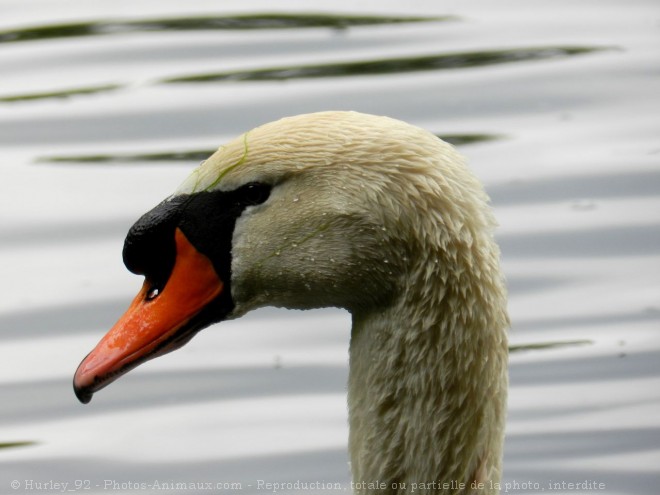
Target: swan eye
<point x="254" y="193"/>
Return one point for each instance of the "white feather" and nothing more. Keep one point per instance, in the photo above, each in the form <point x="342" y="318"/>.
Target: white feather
<point x="384" y="219"/>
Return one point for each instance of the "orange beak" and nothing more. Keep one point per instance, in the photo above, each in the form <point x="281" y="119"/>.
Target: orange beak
<point x="154" y="324"/>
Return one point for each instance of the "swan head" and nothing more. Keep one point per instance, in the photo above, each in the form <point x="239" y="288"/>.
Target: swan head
<point x="326" y="209"/>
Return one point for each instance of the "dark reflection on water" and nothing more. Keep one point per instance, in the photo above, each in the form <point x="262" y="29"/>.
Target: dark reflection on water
<point x="207" y="23"/>
<point x="60" y="94"/>
<point x="442" y="61"/>
<point x="548" y="345"/>
<point x="174" y="156"/>
<point x="463" y="139"/>
<point x="11" y="445"/>
<point x="199" y="155"/>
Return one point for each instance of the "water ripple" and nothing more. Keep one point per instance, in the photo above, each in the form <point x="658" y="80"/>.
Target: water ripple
<point x="66" y="93"/>
<point x="442" y="61"/>
<point x="202" y="154"/>
<point x="437" y="62"/>
<point x="208" y="23"/>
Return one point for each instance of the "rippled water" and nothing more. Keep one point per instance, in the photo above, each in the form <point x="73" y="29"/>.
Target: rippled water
<point x="104" y="109"/>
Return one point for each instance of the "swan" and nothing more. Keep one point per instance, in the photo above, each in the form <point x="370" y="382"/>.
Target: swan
<point x="355" y="211"/>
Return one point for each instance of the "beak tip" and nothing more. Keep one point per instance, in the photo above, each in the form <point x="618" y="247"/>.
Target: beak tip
<point x="83" y="394"/>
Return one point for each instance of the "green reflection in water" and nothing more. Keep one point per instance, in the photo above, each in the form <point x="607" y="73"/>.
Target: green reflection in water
<point x="548" y="345"/>
<point x="442" y="61"/>
<point x="175" y="156"/>
<point x="199" y="155"/>
<point x="465" y="139"/>
<point x="9" y="445"/>
<point x="237" y="22"/>
<point x="60" y="94"/>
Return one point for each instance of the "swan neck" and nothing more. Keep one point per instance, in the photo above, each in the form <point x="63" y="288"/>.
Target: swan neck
<point x="427" y="392"/>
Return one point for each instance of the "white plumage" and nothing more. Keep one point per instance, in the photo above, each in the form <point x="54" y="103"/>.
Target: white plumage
<point x="383" y="219"/>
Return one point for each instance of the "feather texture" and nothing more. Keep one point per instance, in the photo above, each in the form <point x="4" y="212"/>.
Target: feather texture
<point x="383" y="219"/>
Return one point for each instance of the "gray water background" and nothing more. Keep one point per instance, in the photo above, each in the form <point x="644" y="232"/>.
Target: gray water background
<point x="106" y="107"/>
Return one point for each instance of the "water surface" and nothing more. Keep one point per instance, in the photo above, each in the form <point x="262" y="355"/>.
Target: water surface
<point x="105" y="108"/>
